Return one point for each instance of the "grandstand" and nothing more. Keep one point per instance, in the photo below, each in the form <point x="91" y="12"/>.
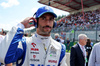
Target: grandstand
<point x="84" y="18"/>
<point x="73" y="6"/>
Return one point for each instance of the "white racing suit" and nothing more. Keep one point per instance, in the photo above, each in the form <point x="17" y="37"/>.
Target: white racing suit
<point x="1" y="38"/>
<point x="33" y="51"/>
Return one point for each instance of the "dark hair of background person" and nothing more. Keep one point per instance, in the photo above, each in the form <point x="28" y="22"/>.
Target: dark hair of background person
<point x="4" y="33"/>
<point x="88" y="42"/>
<point x="88" y="49"/>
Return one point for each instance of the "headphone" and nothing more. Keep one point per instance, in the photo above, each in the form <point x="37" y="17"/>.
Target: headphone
<point x="36" y="23"/>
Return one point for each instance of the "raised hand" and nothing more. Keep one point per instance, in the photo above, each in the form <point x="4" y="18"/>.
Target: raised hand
<point x="26" y="22"/>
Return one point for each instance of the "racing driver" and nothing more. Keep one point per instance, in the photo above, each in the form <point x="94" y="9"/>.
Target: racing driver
<point x="38" y="50"/>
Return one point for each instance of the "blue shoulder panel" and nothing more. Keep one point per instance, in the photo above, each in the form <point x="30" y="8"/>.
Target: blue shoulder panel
<point x="62" y="54"/>
<point x="14" y="53"/>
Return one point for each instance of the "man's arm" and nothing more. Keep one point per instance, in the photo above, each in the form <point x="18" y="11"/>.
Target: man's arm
<point x="8" y="47"/>
<point x="72" y="57"/>
<point x="9" y="51"/>
<point x="62" y="60"/>
<point x="2" y="37"/>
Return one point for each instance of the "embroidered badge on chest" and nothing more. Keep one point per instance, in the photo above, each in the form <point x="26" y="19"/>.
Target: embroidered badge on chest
<point x="53" y="52"/>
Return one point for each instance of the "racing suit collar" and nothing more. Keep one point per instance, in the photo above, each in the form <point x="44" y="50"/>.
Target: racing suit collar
<point x="42" y="37"/>
<point x="43" y="40"/>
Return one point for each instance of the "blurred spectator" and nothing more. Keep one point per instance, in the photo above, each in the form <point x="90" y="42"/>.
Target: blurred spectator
<point x="1" y="31"/>
<point x="92" y="44"/>
<point x="61" y="40"/>
<point x="4" y="33"/>
<point x="62" y="34"/>
<point x="88" y="49"/>
<point x="1" y="35"/>
<point x="57" y="37"/>
<point x="94" y="59"/>
<point x="75" y="21"/>
<point x="68" y="43"/>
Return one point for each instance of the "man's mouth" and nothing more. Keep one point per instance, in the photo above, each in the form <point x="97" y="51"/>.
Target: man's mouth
<point x="47" y="27"/>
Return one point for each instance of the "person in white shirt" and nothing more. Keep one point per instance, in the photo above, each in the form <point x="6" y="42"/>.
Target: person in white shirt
<point x="94" y="59"/>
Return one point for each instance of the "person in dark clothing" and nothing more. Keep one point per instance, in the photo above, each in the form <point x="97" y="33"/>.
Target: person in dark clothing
<point x="78" y="53"/>
<point x="68" y="43"/>
<point x="88" y="49"/>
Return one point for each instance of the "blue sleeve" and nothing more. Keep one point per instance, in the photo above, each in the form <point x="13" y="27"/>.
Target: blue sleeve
<point x="24" y="52"/>
<point x="14" y="53"/>
<point x="63" y="52"/>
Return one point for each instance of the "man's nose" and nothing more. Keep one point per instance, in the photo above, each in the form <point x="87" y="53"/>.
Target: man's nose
<point x="47" y="21"/>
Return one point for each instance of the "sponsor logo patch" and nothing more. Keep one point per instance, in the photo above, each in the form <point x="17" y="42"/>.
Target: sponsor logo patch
<point x="52" y="61"/>
<point x="53" y="52"/>
<point x="37" y="60"/>
<point x="34" y="48"/>
<point x="34" y="52"/>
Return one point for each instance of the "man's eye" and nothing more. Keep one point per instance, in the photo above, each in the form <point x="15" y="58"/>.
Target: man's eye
<point x="51" y="19"/>
<point x="43" y="18"/>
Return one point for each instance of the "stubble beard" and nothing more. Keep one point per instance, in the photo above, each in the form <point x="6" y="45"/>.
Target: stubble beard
<point x="42" y="32"/>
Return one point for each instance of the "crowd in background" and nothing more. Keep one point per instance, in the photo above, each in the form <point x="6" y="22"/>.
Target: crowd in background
<point x="76" y="21"/>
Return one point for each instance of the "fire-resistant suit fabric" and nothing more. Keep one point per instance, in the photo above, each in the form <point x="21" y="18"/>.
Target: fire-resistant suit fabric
<point x="39" y="51"/>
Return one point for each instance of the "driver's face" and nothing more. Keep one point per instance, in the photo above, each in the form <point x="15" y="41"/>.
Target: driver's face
<point x="45" y="24"/>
